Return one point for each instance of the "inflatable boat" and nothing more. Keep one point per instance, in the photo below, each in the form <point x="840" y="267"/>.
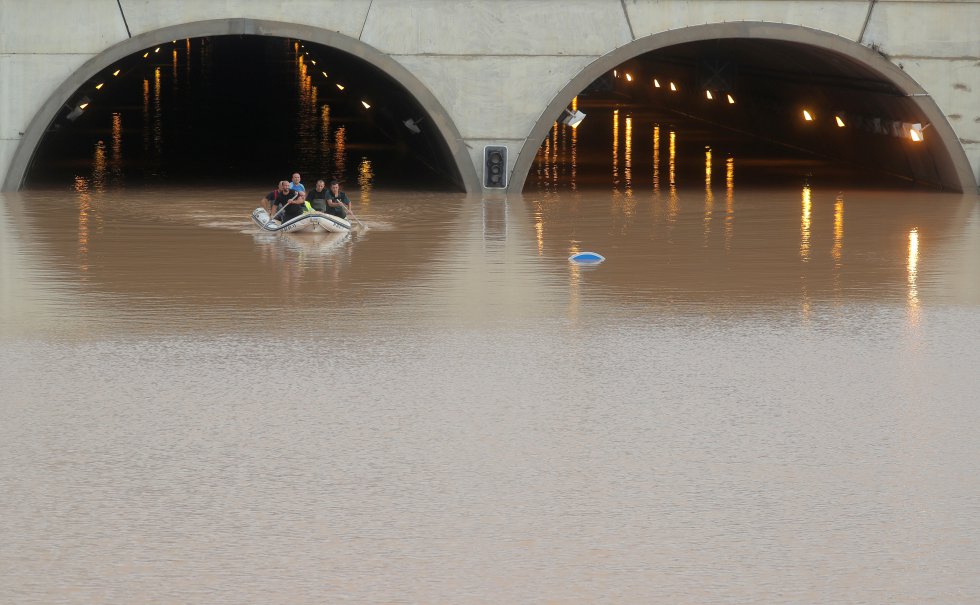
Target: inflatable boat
<point x="308" y="222"/>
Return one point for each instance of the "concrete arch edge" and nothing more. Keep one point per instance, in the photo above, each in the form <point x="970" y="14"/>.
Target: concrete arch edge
<point x="29" y="142"/>
<point x="955" y="169"/>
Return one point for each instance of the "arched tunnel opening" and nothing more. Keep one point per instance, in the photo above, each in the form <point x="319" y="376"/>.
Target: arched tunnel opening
<point x="242" y="110"/>
<point x="773" y="112"/>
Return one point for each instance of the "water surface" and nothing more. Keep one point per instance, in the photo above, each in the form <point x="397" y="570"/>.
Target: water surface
<point x="761" y="396"/>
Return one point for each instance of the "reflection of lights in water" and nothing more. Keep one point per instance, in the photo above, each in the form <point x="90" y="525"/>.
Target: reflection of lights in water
<point x="554" y="155"/>
<point x="628" y="158"/>
<point x="340" y="152"/>
<point x="709" y="198"/>
<point x="805" y="226"/>
<point x="656" y="157"/>
<point x="835" y="252"/>
<point x="574" y="146"/>
<point x="539" y="230"/>
<point x="323" y="141"/>
<point x="673" y="201"/>
<point x="146" y="115"/>
<point x="729" y="201"/>
<point x="84" y="205"/>
<point x="99" y="165"/>
<point x="157" y="114"/>
<point x="174" y="61"/>
<point x="544" y="167"/>
<point x="116" y="161"/>
<point x="913" y="273"/>
<point x="365" y="178"/>
<point x="615" y="148"/>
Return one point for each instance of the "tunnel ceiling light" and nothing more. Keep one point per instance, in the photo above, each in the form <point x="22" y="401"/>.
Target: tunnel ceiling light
<point x="615" y="74"/>
<point x="116" y="73"/>
<point x="707" y="94"/>
<point x="366" y="104"/>
<point x="324" y="74"/>
<point x="99" y="85"/>
<point x="413" y="125"/>
<point x="915" y="131"/>
<point x="313" y="61"/>
<point x="146" y="54"/>
<point x="656" y="83"/>
<point x="807" y="116"/>
<point x="173" y="41"/>
<point x="731" y="100"/>
<point x="340" y="86"/>
<point x="629" y="77"/>
<point x="673" y="88"/>
<point x="840" y="121"/>
<point x="78" y="109"/>
<point x="156" y="50"/>
<point x="573" y="118"/>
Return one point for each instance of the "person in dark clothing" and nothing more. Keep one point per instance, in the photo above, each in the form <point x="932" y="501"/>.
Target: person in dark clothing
<point x="337" y="201"/>
<point x="318" y="197"/>
<point x="284" y="197"/>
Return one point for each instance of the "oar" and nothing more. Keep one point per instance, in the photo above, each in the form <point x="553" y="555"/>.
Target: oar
<point x="353" y="216"/>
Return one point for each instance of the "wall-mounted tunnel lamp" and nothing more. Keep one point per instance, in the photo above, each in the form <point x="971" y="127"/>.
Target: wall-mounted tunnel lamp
<point x="615" y="74"/>
<point x="840" y="121"/>
<point x="146" y="54"/>
<point x="116" y="73"/>
<point x="656" y="83"/>
<point x="914" y="131"/>
<point x="572" y="119"/>
<point x="313" y="61"/>
<point x="673" y="88"/>
<point x="340" y="86"/>
<point x="807" y="115"/>
<point x="629" y="77"/>
<point x="366" y="104"/>
<point x="324" y="74"/>
<point x="731" y="100"/>
<point x="99" y="85"/>
<point x="156" y="50"/>
<point x="708" y="96"/>
<point x="78" y="109"/>
<point x="412" y="124"/>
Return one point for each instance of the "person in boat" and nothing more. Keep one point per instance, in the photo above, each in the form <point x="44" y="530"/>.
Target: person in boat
<point x="317" y="199"/>
<point x="337" y="201"/>
<point x="296" y="185"/>
<point x="284" y="197"/>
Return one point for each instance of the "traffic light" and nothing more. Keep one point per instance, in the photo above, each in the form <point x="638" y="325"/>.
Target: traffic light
<point x="495" y="167"/>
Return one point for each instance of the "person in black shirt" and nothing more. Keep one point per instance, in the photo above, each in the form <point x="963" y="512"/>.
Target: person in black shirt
<point x="337" y="201"/>
<point x="284" y="197"/>
<point x="318" y="197"/>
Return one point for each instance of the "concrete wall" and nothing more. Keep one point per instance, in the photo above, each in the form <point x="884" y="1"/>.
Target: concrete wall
<point x="488" y="71"/>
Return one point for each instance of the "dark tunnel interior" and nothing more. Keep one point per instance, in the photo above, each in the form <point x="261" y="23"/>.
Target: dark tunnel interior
<point x="745" y="99"/>
<point x="247" y="110"/>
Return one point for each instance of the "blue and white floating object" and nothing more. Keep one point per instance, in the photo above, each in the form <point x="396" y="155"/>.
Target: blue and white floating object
<point x="589" y="258"/>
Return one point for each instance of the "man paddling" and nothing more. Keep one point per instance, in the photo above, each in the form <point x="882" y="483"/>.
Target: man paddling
<point x="284" y="197"/>
<point x="337" y="202"/>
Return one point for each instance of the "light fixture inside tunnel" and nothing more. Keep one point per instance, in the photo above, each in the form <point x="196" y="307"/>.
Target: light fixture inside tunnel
<point x="79" y="109"/>
<point x="629" y="77"/>
<point x="731" y="100"/>
<point x="914" y="131"/>
<point x="572" y="119"/>
<point x="116" y="73"/>
<point x="839" y="120"/>
<point x="340" y="86"/>
<point x="807" y="115"/>
<point x="99" y="85"/>
<point x="656" y="83"/>
<point x="412" y="124"/>
<point x="673" y="88"/>
<point x="707" y="95"/>
<point x="366" y="104"/>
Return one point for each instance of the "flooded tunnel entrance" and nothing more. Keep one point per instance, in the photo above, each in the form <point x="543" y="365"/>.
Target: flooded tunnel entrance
<point x="773" y="112"/>
<point x="242" y="110"/>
